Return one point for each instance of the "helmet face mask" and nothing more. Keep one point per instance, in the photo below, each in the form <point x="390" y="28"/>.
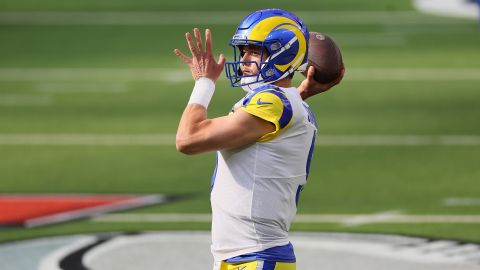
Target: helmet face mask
<point x="234" y="69"/>
<point x="280" y="35"/>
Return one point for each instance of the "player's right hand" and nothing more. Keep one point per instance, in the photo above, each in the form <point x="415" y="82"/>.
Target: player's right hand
<point x="310" y="87"/>
<point x="202" y="63"/>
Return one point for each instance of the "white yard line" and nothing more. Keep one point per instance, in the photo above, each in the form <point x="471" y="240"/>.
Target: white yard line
<point x="168" y="18"/>
<point x="345" y="219"/>
<point x="88" y="139"/>
<point x="455" y="202"/>
<point x="413" y="74"/>
<point x="81" y="87"/>
<point x="10" y="100"/>
<point x="392" y="38"/>
<point x="93" y="74"/>
<point x="372" y="218"/>
<point x="401" y="140"/>
<point x="169" y="140"/>
<point x="120" y="75"/>
<point x="154" y="218"/>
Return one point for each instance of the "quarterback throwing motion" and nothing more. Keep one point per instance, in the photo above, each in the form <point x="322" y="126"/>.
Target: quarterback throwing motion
<point x="264" y="146"/>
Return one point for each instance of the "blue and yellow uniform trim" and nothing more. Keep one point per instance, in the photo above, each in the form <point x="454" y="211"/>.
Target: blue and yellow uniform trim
<point x="276" y="258"/>
<point x="271" y="104"/>
<point x="258" y="265"/>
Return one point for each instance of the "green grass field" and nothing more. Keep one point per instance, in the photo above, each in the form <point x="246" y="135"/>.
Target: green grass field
<point x="82" y="75"/>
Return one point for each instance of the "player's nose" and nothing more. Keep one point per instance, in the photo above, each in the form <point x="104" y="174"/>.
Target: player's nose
<point x="246" y="57"/>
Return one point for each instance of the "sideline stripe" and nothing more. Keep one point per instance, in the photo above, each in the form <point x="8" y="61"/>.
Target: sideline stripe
<point x="169" y="140"/>
<point x="215" y="18"/>
<point x="305" y="218"/>
<point x="96" y="210"/>
<point x="182" y="75"/>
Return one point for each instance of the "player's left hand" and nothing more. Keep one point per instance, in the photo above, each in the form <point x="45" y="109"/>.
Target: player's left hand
<point x="310" y="87"/>
<point x="202" y="63"/>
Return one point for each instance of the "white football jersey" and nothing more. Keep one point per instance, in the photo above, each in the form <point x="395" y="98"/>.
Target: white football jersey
<point x="255" y="187"/>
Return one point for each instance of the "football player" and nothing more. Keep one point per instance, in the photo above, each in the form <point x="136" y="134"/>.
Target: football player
<point x="264" y="146"/>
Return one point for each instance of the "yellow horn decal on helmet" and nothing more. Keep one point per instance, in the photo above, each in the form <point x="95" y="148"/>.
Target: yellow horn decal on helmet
<point x="261" y="30"/>
<point x="265" y="27"/>
<point x="302" y="48"/>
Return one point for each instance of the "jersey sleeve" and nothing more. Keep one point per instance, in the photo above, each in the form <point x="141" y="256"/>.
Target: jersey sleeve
<point x="273" y="106"/>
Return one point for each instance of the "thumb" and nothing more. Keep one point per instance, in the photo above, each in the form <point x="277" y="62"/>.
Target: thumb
<point x="221" y="60"/>
<point x="310" y="72"/>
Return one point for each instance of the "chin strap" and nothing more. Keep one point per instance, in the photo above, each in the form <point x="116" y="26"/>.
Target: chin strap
<point x="302" y="67"/>
<point x="251" y="83"/>
<point x="252" y="86"/>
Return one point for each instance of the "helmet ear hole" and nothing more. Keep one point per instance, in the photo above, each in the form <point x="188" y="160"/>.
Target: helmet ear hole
<point x="275" y="46"/>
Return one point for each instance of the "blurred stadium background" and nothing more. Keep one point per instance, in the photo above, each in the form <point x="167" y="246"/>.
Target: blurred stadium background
<point x="91" y="93"/>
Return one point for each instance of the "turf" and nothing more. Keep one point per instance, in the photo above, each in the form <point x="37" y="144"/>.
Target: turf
<point x="344" y="179"/>
<point x="126" y="5"/>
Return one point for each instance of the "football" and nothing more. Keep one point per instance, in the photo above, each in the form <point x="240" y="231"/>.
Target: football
<point x="325" y="56"/>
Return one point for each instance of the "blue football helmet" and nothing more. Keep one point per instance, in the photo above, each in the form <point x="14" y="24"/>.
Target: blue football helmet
<point x="280" y="34"/>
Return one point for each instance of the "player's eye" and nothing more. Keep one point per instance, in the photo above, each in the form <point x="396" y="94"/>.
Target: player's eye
<point x="250" y="51"/>
<point x="241" y="49"/>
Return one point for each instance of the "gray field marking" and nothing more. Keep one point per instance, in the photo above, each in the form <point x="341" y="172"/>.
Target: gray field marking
<point x="148" y="250"/>
<point x="182" y="75"/>
<point x="214" y="18"/>
<point x="169" y="140"/>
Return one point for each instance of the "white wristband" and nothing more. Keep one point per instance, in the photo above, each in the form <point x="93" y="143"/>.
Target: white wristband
<point x="202" y="92"/>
